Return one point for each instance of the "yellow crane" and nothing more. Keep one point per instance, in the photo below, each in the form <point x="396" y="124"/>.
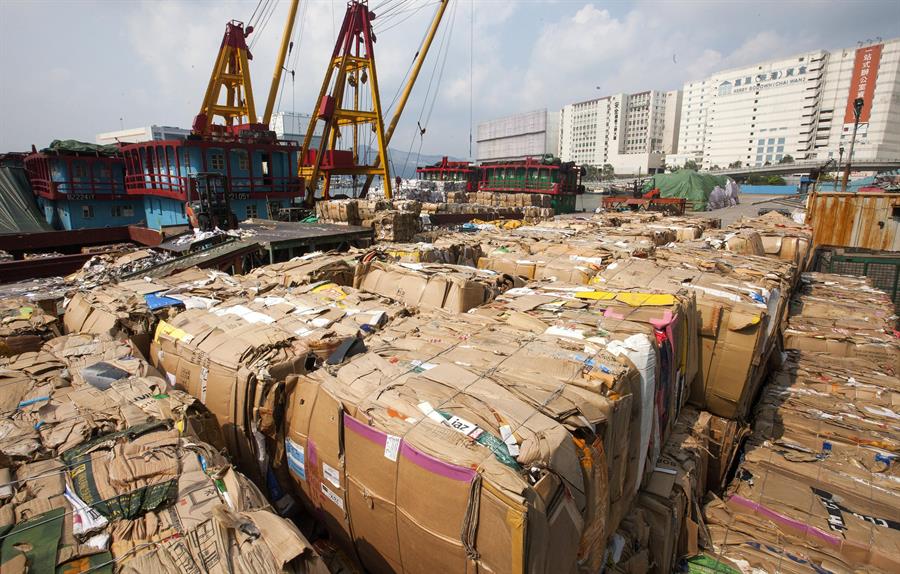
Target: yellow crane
<point x="353" y="64"/>
<point x="231" y="73"/>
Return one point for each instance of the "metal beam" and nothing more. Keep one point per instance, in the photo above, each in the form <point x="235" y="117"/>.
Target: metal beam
<point x="279" y="63"/>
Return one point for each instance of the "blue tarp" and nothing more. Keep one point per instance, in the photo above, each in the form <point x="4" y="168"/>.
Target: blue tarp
<point x="155" y="301"/>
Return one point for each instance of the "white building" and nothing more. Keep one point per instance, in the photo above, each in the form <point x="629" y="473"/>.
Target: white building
<point x="872" y="72"/>
<point x="142" y="134"/>
<point x="627" y="131"/>
<point x="529" y="134"/>
<point x="293" y="126"/>
<point x="672" y="122"/>
<point x="795" y="106"/>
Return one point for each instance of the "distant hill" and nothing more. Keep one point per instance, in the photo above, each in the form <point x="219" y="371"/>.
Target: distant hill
<point x="399" y="158"/>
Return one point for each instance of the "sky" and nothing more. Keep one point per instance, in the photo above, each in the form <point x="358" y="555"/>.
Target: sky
<point x="70" y="69"/>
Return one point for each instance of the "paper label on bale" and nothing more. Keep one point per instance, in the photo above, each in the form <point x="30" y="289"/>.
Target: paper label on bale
<point x="391" y="447"/>
<point x="296" y="457"/>
<point x="331" y="474"/>
<point x="332" y="496"/>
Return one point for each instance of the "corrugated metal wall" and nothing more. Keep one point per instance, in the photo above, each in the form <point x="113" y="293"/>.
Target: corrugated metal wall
<point x="863" y="220"/>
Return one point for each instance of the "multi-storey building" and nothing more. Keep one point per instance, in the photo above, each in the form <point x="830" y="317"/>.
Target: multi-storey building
<point x="627" y="131"/>
<point x="519" y="136"/>
<point x="799" y="106"/>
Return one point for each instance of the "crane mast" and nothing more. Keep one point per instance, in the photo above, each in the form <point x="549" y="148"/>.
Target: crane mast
<point x="353" y="63"/>
<point x="231" y="72"/>
<point x="279" y="63"/>
<point x="413" y="76"/>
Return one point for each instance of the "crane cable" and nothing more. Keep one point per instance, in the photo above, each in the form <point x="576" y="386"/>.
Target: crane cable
<point x="250" y="19"/>
<point x="389" y="9"/>
<point x="412" y="12"/>
<point x="444" y="47"/>
<point x="265" y="21"/>
<point x="293" y="55"/>
<point x="412" y="62"/>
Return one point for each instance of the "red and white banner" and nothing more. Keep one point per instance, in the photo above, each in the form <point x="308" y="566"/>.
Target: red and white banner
<point x="862" y="83"/>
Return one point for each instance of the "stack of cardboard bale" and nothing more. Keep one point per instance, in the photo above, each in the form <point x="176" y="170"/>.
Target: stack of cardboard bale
<point x="395" y="226"/>
<point x="369" y="209"/>
<point x="781" y="237"/>
<point x="339" y="211"/>
<point x="457" y="197"/>
<point x="742" y="305"/>
<point x="309" y="268"/>
<point x="447" y="251"/>
<point x="565" y="407"/>
<point x="817" y="487"/>
<point x="104" y="467"/>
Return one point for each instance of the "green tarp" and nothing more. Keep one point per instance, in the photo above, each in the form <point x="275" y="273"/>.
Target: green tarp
<point x="688" y="184"/>
<point x="75" y="146"/>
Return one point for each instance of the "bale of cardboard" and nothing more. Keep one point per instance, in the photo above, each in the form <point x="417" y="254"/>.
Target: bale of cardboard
<point x="454" y="288"/>
<point x="24" y="326"/>
<point x="844" y="317"/>
<point x="510" y="428"/>
<point x="103" y="469"/>
<point x="817" y="487"/>
<point x="395" y="226"/>
<point x="666" y="521"/>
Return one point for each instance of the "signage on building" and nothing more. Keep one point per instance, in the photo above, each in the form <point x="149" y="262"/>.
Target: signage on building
<point x="615" y="131"/>
<point x="862" y="82"/>
<point x="243" y="195"/>
<point x="763" y="80"/>
<point x="87" y="196"/>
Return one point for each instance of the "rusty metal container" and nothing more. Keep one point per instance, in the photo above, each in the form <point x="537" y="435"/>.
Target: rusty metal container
<point x="860" y="220"/>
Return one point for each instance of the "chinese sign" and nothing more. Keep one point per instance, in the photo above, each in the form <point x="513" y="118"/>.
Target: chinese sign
<point x="862" y="83"/>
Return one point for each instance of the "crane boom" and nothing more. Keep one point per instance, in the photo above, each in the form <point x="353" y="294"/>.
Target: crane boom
<point x="414" y="74"/>
<point x="279" y="63"/>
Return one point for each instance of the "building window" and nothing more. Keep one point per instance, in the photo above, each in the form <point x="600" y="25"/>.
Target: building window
<point x="216" y="160"/>
<point x="87" y="212"/>
<point x="243" y="160"/>
<point x="780" y="141"/>
<point x="78" y="171"/>
<point x="251" y="211"/>
<point x="122" y="211"/>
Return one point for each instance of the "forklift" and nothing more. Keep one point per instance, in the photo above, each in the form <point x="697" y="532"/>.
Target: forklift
<point x="209" y="202"/>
